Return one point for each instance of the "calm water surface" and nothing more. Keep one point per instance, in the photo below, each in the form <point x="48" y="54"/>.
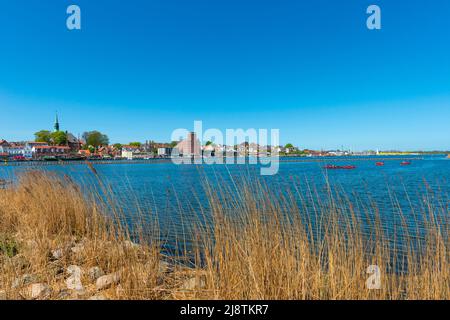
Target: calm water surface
<point x="175" y="193"/>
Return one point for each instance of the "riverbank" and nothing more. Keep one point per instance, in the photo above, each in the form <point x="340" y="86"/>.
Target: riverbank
<point x="58" y="243"/>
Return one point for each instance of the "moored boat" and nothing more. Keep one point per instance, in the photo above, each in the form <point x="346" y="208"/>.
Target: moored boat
<point x="379" y="164"/>
<point x="50" y="158"/>
<point x="405" y="163"/>
<point x="74" y="158"/>
<point x="19" y="158"/>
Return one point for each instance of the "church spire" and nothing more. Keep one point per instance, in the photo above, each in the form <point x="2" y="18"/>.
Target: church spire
<point x="56" y="123"/>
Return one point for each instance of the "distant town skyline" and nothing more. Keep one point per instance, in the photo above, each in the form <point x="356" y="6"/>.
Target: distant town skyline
<point x="140" y="70"/>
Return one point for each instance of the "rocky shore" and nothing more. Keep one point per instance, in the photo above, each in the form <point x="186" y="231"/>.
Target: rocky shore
<point x="54" y="244"/>
<point x="62" y="280"/>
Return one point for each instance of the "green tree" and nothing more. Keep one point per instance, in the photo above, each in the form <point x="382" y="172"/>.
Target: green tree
<point x="208" y="143"/>
<point x="43" y="136"/>
<point x="289" y="146"/>
<point x="58" y="138"/>
<point x="117" y="146"/>
<point x="95" y="139"/>
<point x="173" y="144"/>
<point x="135" y="144"/>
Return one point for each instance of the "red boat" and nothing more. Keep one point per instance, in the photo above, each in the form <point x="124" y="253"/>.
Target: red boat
<point x="379" y="164"/>
<point x="19" y="158"/>
<point x="405" y="163"/>
<point x="339" y="167"/>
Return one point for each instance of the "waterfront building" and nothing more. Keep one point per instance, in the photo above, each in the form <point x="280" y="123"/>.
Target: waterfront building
<point x="209" y="150"/>
<point x="219" y="148"/>
<point x="50" y="151"/>
<point x="28" y="149"/>
<point x="73" y="142"/>
<point x="4" y="146"/>
<point x="265" y="150"/>
<point x="164" y="151"/>
<point x="242" y="149"/>
<point x="246" y="149"/>
<point x="105" y="151"/>
<point x="86" y="153"/>
<point x="190" y="147"/>
<point x="130" y="152"/>
<point x="12" y="149"/>
<point x="253" y="149"/>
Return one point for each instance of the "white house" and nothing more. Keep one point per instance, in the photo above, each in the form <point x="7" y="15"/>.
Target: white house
<point x="129" y="152"/>
<point x="42" y="151"/>
<point x="12" y="150"/>
<point x="29" y="150"/>
<point x="164" y="151"/>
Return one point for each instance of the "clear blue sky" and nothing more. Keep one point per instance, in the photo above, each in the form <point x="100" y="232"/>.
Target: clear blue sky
<point x="139" y="69"/>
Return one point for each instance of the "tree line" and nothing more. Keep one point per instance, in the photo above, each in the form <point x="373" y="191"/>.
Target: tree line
<point x="92" y="139"/>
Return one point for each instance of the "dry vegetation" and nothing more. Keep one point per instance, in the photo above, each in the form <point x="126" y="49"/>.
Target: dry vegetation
<point x="55" y="243"/>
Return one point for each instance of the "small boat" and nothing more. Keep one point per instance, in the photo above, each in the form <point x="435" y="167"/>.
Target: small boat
<point x="405" y="163"/>
<point x="50" y="158"/>
<point x="19" y="158"/>
<point x="379" y="164"/>
<point x="74" y="158"/>
<point x="334" y="167"/>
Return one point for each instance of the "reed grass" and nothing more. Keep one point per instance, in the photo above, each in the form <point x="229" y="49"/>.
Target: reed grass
<point x="248" y="242"/>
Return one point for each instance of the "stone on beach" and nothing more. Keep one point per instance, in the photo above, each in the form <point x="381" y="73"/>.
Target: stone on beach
<point x="106" y="281"/>
<point x="131" y="245"/>
<point x="74" y="281"/>
<point x="194" y="283"/>
<point x="39" y="291"/>
<point x="57" y="254"/>
<point x="23" y="280"/>
<point x="78" y="248"/>
<point x="55" y="269"/>
<point x="64" y="294"/>
<point x="95" y="273"/>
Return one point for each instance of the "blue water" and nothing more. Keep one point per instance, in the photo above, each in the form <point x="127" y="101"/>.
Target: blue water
<point x="174" y="194"/>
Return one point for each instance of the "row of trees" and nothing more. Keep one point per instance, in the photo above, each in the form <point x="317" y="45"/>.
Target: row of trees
<point x="53" y="138"/>
<point x="92" y="138"/>
<point x="95" y="139"/>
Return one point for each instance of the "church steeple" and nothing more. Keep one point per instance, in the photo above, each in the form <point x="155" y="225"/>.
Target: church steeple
<point x="56" y="123"/>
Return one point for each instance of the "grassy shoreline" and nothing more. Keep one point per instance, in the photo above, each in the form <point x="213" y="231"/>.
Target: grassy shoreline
<point x="55" y="243"/>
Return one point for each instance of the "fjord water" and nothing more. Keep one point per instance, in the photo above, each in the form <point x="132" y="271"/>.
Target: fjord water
<point x="175" y="194"/>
